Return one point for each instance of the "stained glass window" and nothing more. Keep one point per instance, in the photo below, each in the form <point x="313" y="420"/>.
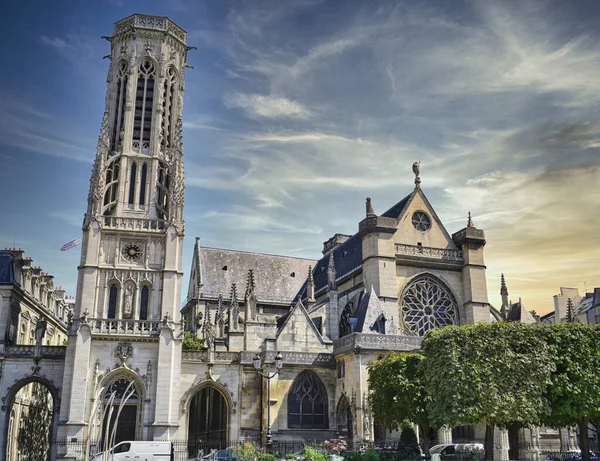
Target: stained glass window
<point x="119" y="387"/>
<point x="421" y="221"/>
<point x="427" y="304"/>
<point x="307" y="403"/>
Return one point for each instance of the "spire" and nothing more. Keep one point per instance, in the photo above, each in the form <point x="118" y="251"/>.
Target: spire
<point x="250" y="283"/>
<point x="331" y="273"/>
<point x="417" y="171"/>
<point x="234" y="307"/>
<point x="470" y="221"/>
<point x="570" y="311"/>
<point x="310" y="286"/>
<point x="370" y="212"/>
<point x="504" y="294"/>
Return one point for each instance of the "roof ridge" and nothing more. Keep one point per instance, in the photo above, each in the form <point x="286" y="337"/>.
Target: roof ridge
<point x="259" y="254"/>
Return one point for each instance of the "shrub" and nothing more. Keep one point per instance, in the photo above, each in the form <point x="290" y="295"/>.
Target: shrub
<point x="267" y="457"/>
<point x="370" y="455"/>
<point x="191" y="343"/>
<point x="248" y="450"/>
<point x="311" y="453"/>
<point x="408" y="446"/>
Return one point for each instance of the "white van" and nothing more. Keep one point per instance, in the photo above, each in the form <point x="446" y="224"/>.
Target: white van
<point x="139" y="451"/>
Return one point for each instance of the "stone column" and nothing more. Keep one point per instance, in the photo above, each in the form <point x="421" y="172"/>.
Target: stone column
<point x="528" y="444"/>
<point x="500" y="444"/>
<point x="444" y="435"/>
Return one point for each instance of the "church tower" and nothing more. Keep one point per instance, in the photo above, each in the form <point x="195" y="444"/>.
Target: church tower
<point x="126" y="322"/>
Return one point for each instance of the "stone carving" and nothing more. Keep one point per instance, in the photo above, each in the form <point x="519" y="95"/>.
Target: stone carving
<point x="124" y="351"/>
<point x="128" y="301"/>
<point x="40" y="330"/>
<point x="437" y="253"/>
<point x="375" y="341"/>
<point x="417" y="171"/>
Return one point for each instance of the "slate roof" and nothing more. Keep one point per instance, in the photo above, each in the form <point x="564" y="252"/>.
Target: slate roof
<point x="518" y="313"/>
<point x="6" y="267"/>
<point x="590" y="301"/>
<point x="395" y="211"/>
<point x="272" y="274"/>
<point x="346" y="258"/>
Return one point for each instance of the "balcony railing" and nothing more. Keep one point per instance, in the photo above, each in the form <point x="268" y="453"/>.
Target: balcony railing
<point x="125" y="327"/>
<point x="25" y="351"/>
<point x="112" y="222"/>
<point x="428" y="252"/>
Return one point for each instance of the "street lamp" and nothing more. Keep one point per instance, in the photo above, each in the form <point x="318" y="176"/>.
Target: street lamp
<point x="268" y="376"/>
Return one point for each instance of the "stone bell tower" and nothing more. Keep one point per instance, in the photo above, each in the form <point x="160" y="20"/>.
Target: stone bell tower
<point x="126" y="320"/>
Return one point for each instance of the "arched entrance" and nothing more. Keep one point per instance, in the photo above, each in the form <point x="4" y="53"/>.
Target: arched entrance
<point x="344" y="418"/>
<point x="31" y="420"/>
<point x="208" y="420"/>
<point x="120" y="412"/>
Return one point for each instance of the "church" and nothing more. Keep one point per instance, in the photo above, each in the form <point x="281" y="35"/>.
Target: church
<point x="310" y="325"/>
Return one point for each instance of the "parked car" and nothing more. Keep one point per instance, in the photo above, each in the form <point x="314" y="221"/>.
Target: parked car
<point x="140" y="451"/>
<point x="457" y="451"/>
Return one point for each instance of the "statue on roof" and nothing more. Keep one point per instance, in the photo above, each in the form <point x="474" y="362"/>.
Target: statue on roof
<point x="417" y="171"/>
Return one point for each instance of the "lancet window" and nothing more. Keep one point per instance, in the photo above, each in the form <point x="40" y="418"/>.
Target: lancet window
<point x="111" y="189"/>
<point x="427" y="304"/>
<point x="168" y="120"/>
<point x="144" y="99"/>
<point x="113" y="293"/>
<point x="132" y="179"/>
<point x="143" y="184"/>
<point x="307" y="403"/>
<point x="144" y="298"/>
<point x="119" y="106"/>
<point x="162" y="191"/>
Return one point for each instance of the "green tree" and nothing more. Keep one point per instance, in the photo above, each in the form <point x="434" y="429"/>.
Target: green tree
<point x="191" y="343"/>
<point x="574" y="393"/>
<point x="398" y="393"/>
<point x="494" y="373"/>
<point x="35" y="426"/>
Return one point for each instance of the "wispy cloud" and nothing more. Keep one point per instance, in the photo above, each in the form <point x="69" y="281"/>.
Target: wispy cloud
<point x="257" y="105"/>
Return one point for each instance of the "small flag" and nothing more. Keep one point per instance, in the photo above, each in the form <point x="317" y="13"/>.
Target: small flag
<point x="71" y="244"/>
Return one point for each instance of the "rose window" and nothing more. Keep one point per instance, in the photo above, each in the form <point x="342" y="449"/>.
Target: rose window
<point x="427" y="304"/>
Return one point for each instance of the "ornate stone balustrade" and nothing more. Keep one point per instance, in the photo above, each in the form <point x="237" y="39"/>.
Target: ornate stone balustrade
<point x="143" y="21"/>
<point x="211" y="356"/>
<point x="26" y="351"/>
<point x="428" y="252"/>
<point x="291" y="358"/>
<point x="125" y="327"/>
<point x="116" y="223"/>
<point x="377" y="342"/>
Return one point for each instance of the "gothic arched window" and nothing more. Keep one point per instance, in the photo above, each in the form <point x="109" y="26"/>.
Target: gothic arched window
<point x="162" y="191"/>
<point x="144" y="99"/>
<point x="144" y="302"/>
<point x="111" y="188"/>
<point x="427" y="304"/>
<point x="113" y="293"/>
<point x="307" y="403"/>
<point x="119" y="107"/>
<point x="168" y="120"/>
<point x="143" y="184"/>
<point x="132" y="178"/>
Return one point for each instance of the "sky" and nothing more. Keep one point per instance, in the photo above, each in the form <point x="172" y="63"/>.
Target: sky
<point x="297" y="110"/>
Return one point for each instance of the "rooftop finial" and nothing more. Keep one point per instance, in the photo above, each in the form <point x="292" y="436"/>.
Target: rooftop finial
<point x="310" y="280"/>
<point x="417" y="171"/>
<point x="370" y="212"/>
<point x="470" y="221"/>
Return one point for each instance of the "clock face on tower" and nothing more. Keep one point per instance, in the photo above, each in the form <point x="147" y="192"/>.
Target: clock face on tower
<point x="132" y="252"/>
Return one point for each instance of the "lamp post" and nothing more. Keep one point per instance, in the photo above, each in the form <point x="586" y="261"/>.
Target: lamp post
<point x="268" y="376"/>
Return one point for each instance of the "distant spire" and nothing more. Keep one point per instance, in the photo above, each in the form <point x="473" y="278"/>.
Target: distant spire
<point x="504" y="294"/>
<point x="503" y="289"/>
<point x="470" y="221"/>
<point x="570" y="312"/>
<point x="370" y="212"/>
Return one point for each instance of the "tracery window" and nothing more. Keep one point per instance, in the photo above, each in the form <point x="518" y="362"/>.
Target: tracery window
<point x="143" y="184"/>
<point x="168" y="120"/>
<point x="162" y="191"/>
<point x="112" y="300"/>
<point x="307" y="403"/>
<point x="427" y="304"/>
<point x="132" y="178"/>
<point x="144" y="302"/>
<point x="111" y="189"/>
<point x="119" y="107"/>
<point x="144" y="99"/>
<point x="119" y="387"/>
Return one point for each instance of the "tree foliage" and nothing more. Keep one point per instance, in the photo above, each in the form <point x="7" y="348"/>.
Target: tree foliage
<point x="574" y="391"/>
<point x="191" y="342"/>
<point x="495" y="372"/>
<point x="397" y="390"/>
<point x="34" y="431"/>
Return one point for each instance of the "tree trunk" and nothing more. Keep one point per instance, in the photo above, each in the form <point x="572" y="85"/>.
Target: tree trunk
<point x="585" y="441"/>
<point x="513" y="441"/>
<point x="426" y="431"/>
<point x="489" y="441"/>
